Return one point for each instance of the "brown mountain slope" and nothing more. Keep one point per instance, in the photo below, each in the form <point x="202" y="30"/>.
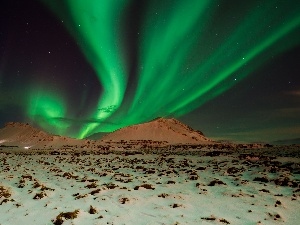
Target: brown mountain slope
<point x="170" y="130"/>
<point x="24" y="135"/>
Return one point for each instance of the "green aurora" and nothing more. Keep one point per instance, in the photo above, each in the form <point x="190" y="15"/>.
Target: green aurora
<point x="187" y="54"/>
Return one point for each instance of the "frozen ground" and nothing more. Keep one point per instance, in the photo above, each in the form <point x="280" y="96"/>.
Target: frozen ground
<point x="210" y="187"/>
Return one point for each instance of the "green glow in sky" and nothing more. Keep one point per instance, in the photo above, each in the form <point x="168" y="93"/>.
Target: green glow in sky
<point x="47" y="109"/>
<point x="95" y="26"/>
<point x="188" y="54"/>
<point x="92" y="22"/>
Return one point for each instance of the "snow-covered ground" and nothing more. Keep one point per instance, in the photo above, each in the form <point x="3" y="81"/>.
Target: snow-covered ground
<point x="149" y="189"/>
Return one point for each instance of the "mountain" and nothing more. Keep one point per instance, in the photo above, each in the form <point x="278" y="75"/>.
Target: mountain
<point x="24" y="135"/>
<point x="287" y="141"/>
<point x="169" y="131"/>
<point x="161" y="129"/>
<point x="97" y="136"/>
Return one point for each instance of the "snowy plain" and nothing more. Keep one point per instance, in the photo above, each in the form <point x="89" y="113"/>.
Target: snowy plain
<point x="143" y="188"/>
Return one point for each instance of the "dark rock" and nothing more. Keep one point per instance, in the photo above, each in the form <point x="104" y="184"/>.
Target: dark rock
<point x="214" y="182"/>
<point x="261" y="179"/>
<point x="92" y="210"/>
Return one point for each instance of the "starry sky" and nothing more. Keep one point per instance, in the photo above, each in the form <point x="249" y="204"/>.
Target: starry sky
<point x="227" y="68"/>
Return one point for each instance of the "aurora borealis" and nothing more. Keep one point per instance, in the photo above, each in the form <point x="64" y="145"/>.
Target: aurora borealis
<point x="81" y="67"/>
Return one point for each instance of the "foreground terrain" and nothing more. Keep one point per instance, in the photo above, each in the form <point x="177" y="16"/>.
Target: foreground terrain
<point x="141" y="187"/>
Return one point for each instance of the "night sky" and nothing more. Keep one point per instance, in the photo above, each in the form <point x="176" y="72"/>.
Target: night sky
<point x="77" y="67"/>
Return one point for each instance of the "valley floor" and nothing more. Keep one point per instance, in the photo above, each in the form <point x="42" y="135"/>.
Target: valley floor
<point x="202" y="187"/>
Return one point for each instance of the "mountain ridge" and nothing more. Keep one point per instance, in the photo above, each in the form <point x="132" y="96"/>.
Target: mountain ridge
<point x="159" y="129"/>
<point x="170" y="131"/>
<point x="26" y="135"/>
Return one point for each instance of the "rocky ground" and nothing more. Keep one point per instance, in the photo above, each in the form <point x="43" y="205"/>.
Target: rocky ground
<point x="258" y="186"/>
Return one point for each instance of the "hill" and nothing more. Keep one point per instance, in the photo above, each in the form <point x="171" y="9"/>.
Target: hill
<point x="161" y="129"/>
<point x="24" y="135"/>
